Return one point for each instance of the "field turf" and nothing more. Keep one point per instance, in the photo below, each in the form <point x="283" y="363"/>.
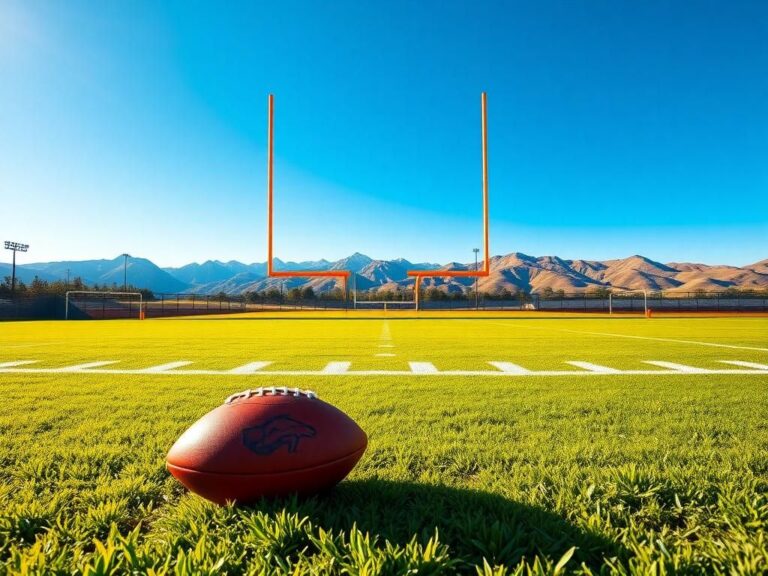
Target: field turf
<point x="536" y="466"/>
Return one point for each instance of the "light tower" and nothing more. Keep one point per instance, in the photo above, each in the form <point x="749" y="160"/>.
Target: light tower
<point x="16" y="247"/>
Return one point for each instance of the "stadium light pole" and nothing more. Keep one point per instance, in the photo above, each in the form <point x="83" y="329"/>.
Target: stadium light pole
<point x="477" y="300"/>
<point x="125" y="270"/>
<point x="16" y="247"/>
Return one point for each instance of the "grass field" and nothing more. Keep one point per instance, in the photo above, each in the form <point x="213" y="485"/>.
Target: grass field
<point x="527" y="465"/>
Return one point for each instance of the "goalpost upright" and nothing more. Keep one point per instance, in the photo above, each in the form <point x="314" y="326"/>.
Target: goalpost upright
<point x="418" y="275"/>
<point x="341" y="274"/>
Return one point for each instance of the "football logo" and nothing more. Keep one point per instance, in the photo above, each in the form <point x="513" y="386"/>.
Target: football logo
<point x="276" y="432"/>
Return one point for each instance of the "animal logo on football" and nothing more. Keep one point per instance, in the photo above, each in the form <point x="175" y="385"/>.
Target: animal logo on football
<point x="279" y="431"/>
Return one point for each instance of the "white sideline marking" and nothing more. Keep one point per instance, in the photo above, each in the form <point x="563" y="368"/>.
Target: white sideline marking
<point x="17" y="363"/>
<point x="336" y="368"/>
<point x="593" y="367"/>
<point x="249" y="368"/>
<point x="384" y="355"/>
<point x="716" y="345"/>
<point x="166" y="367"/>
<point x="509" y="368"/>
<point x="86" y="366"/>
<point x="754" y="365"/>
<point x="423" y="368"/>
<point x="677" y="367"/>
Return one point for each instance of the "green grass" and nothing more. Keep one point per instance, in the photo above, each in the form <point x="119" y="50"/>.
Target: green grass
<point x="469" y="474"/>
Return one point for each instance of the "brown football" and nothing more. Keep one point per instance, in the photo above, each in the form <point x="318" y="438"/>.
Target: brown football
<point x="267" y="442"/>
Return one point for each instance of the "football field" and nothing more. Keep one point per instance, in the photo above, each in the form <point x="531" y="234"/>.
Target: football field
<point x="498" y="444"/>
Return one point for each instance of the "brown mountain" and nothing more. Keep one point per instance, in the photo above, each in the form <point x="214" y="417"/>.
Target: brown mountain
<point x="520" y="272"/>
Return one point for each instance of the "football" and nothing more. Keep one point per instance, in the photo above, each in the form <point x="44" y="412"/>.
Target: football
<point x="267" y="442"/>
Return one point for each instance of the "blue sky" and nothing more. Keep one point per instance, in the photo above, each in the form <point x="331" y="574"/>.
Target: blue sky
<point x="615" y="128"/>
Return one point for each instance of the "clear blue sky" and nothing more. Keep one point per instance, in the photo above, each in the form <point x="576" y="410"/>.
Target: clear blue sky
<point x="614" y="128"/>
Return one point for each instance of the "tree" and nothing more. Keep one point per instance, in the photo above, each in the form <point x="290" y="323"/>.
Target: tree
<point x="294" y="294"/>
<point x="308" y="293"/>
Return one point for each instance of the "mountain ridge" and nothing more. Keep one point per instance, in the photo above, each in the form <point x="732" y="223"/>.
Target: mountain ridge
<point x="513" y="272"/>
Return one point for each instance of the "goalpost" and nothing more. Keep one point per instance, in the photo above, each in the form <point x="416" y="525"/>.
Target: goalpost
<point x="98" y="300"/>
<point x="620" y="297"/>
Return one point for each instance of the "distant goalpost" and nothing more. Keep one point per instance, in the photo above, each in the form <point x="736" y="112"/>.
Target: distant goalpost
<point x="98" y="300"/>
<point x="618" y="300"/>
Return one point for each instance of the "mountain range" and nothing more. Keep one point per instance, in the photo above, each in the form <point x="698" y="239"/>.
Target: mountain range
<point x="513" y="272"/>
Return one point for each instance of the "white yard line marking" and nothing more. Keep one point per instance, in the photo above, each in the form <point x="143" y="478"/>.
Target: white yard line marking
<point x="29" y="345"/>
<point x="509" y="368"/>
<point x="17" y="363"/>
<point x="423" y="368"/>
<point x="249" y="368"/>
<point x="505" y="369"/>
<point x="336" y="368"/>
<point x="385" y="355"/>
<point x="418" y="372"/>
<point x="166" y="367"/>
<point x="86" y="366"/>
<point x="385" y="333"/>
<point x="593" y="367"/>
<point x="386" y="345"/>
<point x="678" y="367"/>
<point x="754" y="365"/>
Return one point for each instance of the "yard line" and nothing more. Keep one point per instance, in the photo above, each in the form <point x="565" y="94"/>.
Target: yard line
<point x="418" y="369"/>
<point x="166" y="367"/>
<point x="423" y="368"/>
<point x="17" y="363"/>
<point x="386" y="345"/>
<point x="249" y="368"/>
<point x="593" y="367"/>
<point x="80" y="367"/>
<point x="336" y="367"/>
<point x="385" y="333"/>
<point x="677" y="367"/>
<point x="754" y="365"/>
<point x="384" y="355"/>
<point x="509" y="368"/>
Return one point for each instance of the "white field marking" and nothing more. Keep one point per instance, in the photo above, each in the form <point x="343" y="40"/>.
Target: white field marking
<point x="385" y="355"/>
<point x="509" y="368"/>
<point x="166" y="367"/>
<point x="336" y="368"/>
<point x="593" y="367"/>
<point x="423" y="368"/>
<point x="249" y="368"/>
<point x="716" y="345"/>
<point x="679" y="367"/>
<point x="86" y="366"/>
<point x="419" y="371"/>
<point x="30" y="345"/>
<point x="386" y="345"/>
<point x="385" y="333"/>
<point x="17" y="363"/>
<point x="754" y="365"/>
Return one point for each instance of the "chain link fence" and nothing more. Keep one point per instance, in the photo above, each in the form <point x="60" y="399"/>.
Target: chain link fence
<point x="168" y="305"/>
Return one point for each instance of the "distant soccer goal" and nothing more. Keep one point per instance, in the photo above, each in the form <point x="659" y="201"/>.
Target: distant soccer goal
<point x="384" y="305"/>
<point x="628" y="301"/>
<point x="91" y="304"/>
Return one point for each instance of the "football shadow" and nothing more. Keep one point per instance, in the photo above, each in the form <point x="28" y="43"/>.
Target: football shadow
<point x="474" y="524"/>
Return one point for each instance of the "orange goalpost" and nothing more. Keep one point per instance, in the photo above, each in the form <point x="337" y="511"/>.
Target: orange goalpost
<point x="344" y="275"/>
